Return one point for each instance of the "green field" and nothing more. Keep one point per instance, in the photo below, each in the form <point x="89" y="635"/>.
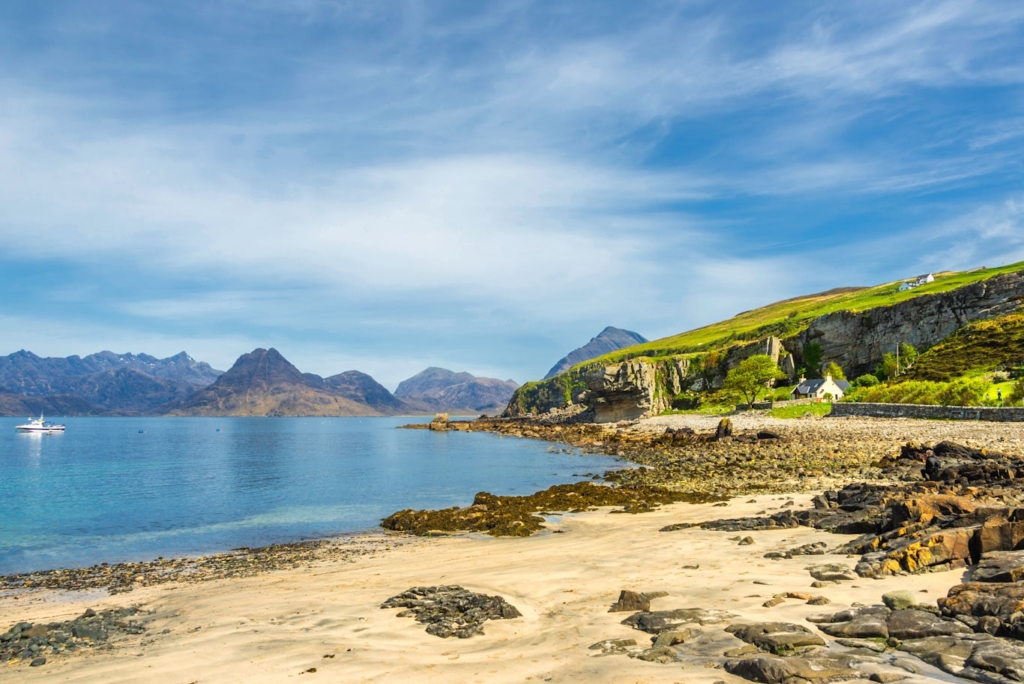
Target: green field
<point x="791" y="316"/>
<point x="799" y="410"/>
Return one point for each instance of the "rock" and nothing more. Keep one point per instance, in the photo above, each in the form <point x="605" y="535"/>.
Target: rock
<point x="724" y="429"/>
<point x="774" y="601"/>
<point x="671" y="638"/>
<point x="660" y="654"/>
<point x="746" y="541"/>
<point x="778" y="670"/>
<point x="991" y="607"/>
<point x="819" y="601"/>
<point x="887" y="677"/>
<point x="1000" y="566"/>
<point x="869" y="644"/>
<point x="999" y="656"/>
<point x="898" y="600"/>
<point x="768" y="434"/>
<point x="656" y="622"/>
<point x="862" y="623"/>
<point x="630" y="601"/>
<point x="440" y="423"/>
<point x="918" y="624"/>
<point x="93" y="631"/>
<point x="36" y="662"/>
<point x="613" y="646"/>
<point x="451" y="610"/>
<point x="831" y="572"/>
<point x="776" y="637"/>
<point x="932" y="649"/>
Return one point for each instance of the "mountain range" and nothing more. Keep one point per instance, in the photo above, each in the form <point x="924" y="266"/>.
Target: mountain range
<point x="103" y="383"/>
<point x="260" y="383"/>
<point x="608" y="340"/>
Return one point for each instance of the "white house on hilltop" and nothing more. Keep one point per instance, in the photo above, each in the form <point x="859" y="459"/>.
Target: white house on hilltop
<point x="916" y="282"/>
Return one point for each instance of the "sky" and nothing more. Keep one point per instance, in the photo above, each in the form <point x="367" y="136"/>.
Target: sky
<point x="484" y="186"/>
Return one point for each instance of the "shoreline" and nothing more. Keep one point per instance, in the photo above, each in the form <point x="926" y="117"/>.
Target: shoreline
<point x="311" y="613"/>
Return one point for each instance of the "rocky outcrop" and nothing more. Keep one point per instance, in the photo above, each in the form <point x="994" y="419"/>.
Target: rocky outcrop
<point x="623" y="391"/>
<point x="856" y="341"/>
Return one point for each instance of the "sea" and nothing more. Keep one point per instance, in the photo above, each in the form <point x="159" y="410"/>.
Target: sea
<point x="131" y="489"/>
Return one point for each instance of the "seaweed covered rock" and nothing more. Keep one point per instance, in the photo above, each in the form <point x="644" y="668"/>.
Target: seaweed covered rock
<point x="518" y="516"/>
<point x="451" y="610"/>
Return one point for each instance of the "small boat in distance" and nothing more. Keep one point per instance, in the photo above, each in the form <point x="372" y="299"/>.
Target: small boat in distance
<point x="40" y="426"/>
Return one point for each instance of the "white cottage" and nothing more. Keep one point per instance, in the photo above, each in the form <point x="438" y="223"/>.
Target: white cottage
<point x="817" y="389"/>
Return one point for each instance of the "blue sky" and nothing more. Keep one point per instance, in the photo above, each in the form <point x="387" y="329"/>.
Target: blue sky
<point x="484" y="186"/>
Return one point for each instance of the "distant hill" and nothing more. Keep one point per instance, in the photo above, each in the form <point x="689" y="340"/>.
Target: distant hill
<point x="55" y="405"/>
<point x="264" y="383"/>
<point x="122" y="384"/>
<point x="608" y="340"/>
<point x="439" y="389"/>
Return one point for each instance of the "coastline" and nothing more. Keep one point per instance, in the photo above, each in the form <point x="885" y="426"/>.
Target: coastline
<point x="315" y="607"/>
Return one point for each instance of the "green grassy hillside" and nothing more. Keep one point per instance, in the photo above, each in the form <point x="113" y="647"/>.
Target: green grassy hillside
<point x="977" y="348"/>
<point x="791" y="316"/>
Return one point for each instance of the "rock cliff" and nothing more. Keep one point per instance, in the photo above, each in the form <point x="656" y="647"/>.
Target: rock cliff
<point x="856" y="341"/>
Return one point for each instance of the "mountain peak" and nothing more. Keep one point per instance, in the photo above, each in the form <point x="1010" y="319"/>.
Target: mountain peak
<point x="608" y="340"/>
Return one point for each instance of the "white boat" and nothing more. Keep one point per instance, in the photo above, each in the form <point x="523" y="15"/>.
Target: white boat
<point x="40" y="426"/>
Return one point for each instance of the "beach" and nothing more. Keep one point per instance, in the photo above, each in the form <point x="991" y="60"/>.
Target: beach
<point x="323" y="620"/>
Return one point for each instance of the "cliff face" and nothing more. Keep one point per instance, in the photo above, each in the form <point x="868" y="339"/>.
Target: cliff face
<point x="856" y="341"/>
<point x="643" y="387"/>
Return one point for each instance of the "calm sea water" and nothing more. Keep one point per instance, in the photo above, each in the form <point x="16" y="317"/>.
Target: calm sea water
<point x="114" y="489"/>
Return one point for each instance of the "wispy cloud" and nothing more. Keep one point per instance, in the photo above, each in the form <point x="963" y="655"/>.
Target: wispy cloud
<point x="468" y="172"/>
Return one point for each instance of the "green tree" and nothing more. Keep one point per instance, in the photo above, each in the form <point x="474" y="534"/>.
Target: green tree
<point x="835" y="370"/>
<point x="887" y="367"/>
<point x="752" y="377"/>
<point x="812" y="359"/>
<point x="865" y="381"/>
<point x="908" y="354"/>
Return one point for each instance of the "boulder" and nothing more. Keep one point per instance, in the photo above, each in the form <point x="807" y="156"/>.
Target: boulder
<point x="919" y="624"/>
<point x="776" y="637"/>
<point x="1000" y="566"/>
<point x="898" y="600"/>
<point x="770" y="669"/>
<point x="658" y="621"/>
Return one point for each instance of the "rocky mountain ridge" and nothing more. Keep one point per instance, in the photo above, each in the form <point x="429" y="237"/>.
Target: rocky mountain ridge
<point x="264" y="383"/>
<point x="97" y="384"/>
<point x="608" y="340"/>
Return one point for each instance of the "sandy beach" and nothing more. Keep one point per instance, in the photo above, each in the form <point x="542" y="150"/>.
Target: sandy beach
<point x="279" y="625"/>
<point x="323" y="621"/>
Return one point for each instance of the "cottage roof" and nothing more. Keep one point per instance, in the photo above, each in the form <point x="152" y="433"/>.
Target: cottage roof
<point x="812" y="386"/>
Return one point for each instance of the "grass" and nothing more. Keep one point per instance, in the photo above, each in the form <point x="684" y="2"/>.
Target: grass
<point x="791" y="316"/>
<point x="975" y="349"/>
<point x="799" y="410"/>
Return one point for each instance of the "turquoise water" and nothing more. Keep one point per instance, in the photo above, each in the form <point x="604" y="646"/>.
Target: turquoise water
<point x="115" y="489"/>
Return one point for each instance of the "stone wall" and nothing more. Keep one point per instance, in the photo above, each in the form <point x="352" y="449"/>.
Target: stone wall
<point x="987" y="413"/>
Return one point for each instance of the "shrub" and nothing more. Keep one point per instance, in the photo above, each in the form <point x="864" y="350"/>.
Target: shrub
<point x="964" y="392"/>
<point x="866" y="380"/>
<point x="1017" y="392"/>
